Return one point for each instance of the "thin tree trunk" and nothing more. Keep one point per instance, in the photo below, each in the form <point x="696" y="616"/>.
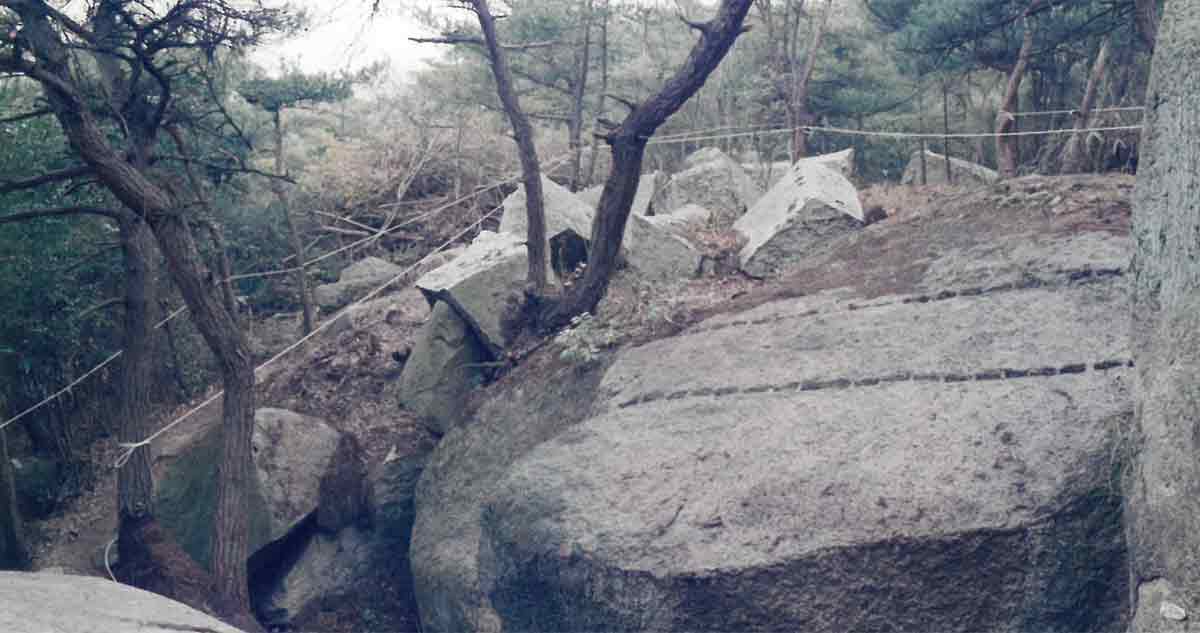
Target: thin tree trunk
<point x="230" y="530"/>
<point x="1145" y="14"/>
<point x="531" y="171"/>
<point x="134" y="188"/>
<point x="135" y="489"/>
<point x="600" y="106"/>
<point x="224" y="268"/>
<point x="1006" y="146"/>
<point x="295" y="244"/>
<point x="628" y="143"/>
<point x="578" y="92"/>
<point x="1074" y="159"/>
<point x="14" y="554"/>
<point x="946" y="131"/>
<point x="185" y="393"/>
<point x="799" y="99"/>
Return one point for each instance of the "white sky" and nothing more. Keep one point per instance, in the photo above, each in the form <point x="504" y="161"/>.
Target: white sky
<point x="342" y="35"/>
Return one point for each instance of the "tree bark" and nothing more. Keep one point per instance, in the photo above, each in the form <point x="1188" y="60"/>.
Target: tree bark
<point x="531" y="171"/>
<point x="1161" y="475"/>
<point x="135" y="488"/>
<point x="295" y="244"/>
<point x="801" y="116"/>
<point x="1145" y="14"/>
<point x="137" y="190"/>
<point x="628" y="143"/>
<point x="1007" y="157"/>
<point x="1074" y="158"/>
<point x="14" y="555"/>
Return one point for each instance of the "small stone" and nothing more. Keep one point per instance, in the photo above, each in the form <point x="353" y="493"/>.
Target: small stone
<point x="1172" y="611"/>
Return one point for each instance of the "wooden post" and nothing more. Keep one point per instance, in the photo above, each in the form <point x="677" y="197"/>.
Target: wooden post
<point x="924" y="175"/>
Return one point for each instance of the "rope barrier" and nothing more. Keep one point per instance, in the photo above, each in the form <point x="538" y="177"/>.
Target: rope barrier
<point x="1076" y="111"/>
<point x="51" y="398"/>
<point x="130" y="447"/>
<point x="897" y="135"/>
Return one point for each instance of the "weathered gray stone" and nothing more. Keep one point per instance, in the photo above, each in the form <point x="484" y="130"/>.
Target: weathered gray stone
<point x="327" y="565"/>
<point x="908" y="444"/>
<point x="41" y="603"/>
<point x="769" y="174"/>
<point x="440" y="371"/>
<point x="935" y="171"/>
<point x="797" y="218"/>
<point x="648" y="187"/>
<point x="291" y="452"/>
<point x="478" y="283"/>
<point x="564" y="211"/>
<point x="1162" y="478"/>
<point x="656" y="250"/>
<point x="355" y="281"/>
<point x="713" y="181"/>
<point x="458" y="477"/>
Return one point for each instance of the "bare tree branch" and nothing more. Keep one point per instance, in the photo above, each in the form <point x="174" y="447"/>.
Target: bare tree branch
<point x="35" y="214"/>
<point x="45" y="179"/>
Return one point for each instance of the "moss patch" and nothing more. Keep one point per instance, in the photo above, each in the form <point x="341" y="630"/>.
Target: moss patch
<point x="187" y="499"/>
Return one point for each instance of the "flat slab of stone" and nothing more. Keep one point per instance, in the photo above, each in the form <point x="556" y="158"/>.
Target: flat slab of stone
<point x="962" y="171"/>
<point x="478" y="282"/>
<point x="800" y="215"/>
<point x="440" y="371"/>
<point x="648" y="188"/>
<point x="937" y="464"/>
<point x="44" y="603"/>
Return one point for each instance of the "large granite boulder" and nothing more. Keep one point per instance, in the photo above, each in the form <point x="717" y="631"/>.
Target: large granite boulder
<point x="479" y="282"/>
<point x="291" y="454"/>
<point x="711" y="180"/>
<point x="801" y="215"/>
<point x="442" y="368"/>
<point x="40" y="603"/>
<point x="324" y="566"/>
<point x="911" y="465"/>
<point x="355" y="281"/>
<point x="769" y="174"/>
<point x="924" y="441"/>
<point x="961" y="171"/>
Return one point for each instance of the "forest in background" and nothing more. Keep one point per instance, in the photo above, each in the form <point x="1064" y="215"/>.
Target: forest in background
<point x="279" y="165"/>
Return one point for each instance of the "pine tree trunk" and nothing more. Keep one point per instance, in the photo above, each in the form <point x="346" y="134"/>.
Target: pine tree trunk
<point x="135" y="488"/>
<point x="1161" y="473"/>
<point x="531" y="171"/>
<point x="628" y="150"/>
<point x="295" y="244"/>
<point x="802" y="117"/>
<point x="591" y="167"/>
<point x="1074" y="158"/>
<point x="578" y="92"/>
<point x="14" y="555"/>
<point x="1007" y="157"/>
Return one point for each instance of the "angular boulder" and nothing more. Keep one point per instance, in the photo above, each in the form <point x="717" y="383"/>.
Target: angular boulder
<point x="908" y="465"/>
<point x="801" y="214"/>
<point x="478" y="283"/>
<point x="291" y="453"/>
<point x="961" y="171"/>
<point x="564" y="212"/>
<point x="657" y="251"/>
<point x="39" y="603"/>
<point x="355" y="281"/>
<point x="711" y="180"/>
<point x="441" y="370"/>
<point x="649" y="187"/>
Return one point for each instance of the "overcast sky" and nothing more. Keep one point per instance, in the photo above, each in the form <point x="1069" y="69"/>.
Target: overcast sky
<point x="344" y="35"/>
